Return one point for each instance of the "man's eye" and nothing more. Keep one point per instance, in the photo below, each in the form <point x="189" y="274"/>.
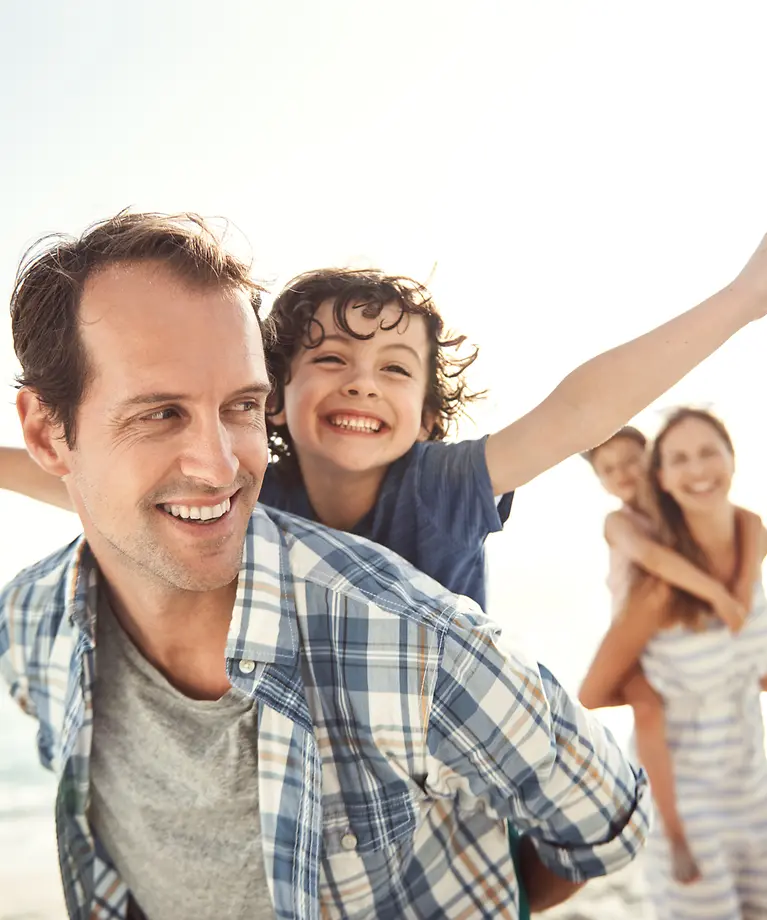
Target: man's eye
<point x="398" y="369"/>
<point x="160" y="415"/>
<point x="247" y="405"/>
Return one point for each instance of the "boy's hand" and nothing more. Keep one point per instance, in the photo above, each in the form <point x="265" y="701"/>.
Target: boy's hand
<point x="730" y="610"/>
<point x="753" y="280"/>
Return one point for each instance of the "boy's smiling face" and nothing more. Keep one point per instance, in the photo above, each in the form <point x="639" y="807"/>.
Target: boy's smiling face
<point x="620" y="466"/>
<point x="355" y="405"/>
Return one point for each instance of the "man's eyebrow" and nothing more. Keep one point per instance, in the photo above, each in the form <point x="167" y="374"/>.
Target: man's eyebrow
<point x="257" y="388"/>
<point x="345" y="339"/>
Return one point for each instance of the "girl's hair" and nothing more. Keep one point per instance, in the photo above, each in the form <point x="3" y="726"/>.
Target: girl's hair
<point x="673" y="529"/>
<point x="293" y="325"/>
<point x="627" y="433"/>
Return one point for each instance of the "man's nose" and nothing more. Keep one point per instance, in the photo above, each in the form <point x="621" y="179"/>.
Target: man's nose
<point x="209" y="454"/>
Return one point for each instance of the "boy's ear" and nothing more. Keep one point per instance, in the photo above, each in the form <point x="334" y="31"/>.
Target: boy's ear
<point x="44" y="437"/>
<point x="428" y="418"/>
<point x="278" y="418"/>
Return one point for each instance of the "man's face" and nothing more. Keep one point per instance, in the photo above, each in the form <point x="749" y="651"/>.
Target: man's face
<point x="620" y="466"/>
<point x="171" y="441"/>
<point x="356" y="405"/>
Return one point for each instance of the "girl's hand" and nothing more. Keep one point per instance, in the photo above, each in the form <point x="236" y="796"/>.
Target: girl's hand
<point x="743" y="592"/>
<point x="730" y="610"/>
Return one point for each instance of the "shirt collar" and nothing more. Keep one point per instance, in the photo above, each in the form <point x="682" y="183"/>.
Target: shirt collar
<point x="80" y="587"/>
<point x="264" y="625"/>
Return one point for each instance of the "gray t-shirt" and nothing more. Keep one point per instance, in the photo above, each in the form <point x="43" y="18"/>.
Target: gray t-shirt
<point x="174" y="789"/>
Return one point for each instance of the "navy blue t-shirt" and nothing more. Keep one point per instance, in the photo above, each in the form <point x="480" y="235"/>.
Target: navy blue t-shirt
<point x="435" y="509"/>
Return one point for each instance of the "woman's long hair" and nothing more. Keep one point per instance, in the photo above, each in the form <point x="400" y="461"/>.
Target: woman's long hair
<point x="672" y="527"/>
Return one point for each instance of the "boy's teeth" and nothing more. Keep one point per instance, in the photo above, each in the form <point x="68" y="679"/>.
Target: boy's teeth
<point x="199" y="513"/>
<point x="356" y="422"/>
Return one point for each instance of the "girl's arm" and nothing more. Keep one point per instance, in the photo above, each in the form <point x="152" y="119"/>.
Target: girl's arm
<point x="597" y="398"/>
<point x="623" y="534"/>
<point x="751" y="555"/>
<point x="646" y="611"/>
<point x="20" y="473"/>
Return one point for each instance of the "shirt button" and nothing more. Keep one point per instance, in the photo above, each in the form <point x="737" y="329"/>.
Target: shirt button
<point x="247" y="666"/>
<point x="348" y="841"/>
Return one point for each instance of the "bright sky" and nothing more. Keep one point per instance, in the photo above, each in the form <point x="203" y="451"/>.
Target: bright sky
<point x="579" y="171"/>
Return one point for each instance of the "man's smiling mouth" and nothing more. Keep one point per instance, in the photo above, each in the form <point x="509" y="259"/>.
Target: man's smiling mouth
<point x="200" y="514"/>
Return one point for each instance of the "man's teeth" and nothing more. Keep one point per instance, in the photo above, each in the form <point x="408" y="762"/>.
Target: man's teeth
<point x="199" y="513"/>
<point x="355" y="422"/>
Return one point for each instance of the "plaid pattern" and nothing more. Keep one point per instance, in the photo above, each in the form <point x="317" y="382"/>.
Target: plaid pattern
<point x="394" y="735"/>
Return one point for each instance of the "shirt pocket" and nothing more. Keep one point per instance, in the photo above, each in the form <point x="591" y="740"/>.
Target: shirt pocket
<point x="366" y="847"/>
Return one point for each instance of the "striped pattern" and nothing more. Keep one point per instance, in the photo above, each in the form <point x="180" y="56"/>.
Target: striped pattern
<point x="710" y="682"/>
<point x="395" y="737"/>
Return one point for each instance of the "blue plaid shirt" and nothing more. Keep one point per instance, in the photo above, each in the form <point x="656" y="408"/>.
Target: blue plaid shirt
<point x="395" y="735"/>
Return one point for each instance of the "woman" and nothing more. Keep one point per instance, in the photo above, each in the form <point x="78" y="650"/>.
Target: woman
<point x="709" y="678"/>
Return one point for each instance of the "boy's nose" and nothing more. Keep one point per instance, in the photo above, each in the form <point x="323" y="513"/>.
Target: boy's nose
<point x="359" y="391"/>
<point x="360" y="384"/>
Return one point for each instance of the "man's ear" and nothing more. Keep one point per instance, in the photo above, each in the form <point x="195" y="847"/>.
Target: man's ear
<point x="42" y="435"/>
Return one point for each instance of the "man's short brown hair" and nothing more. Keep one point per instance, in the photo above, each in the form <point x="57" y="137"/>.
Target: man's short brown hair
<point x="53" y="272"/>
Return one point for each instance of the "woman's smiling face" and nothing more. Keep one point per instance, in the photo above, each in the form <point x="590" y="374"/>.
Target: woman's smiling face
<point x="696" y="465"/>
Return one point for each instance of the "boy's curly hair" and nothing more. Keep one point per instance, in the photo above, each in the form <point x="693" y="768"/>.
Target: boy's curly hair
<point x="293" y="325"/>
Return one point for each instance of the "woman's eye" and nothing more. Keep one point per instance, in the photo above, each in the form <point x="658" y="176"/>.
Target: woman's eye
<point x="327" y="359"/>
<point x="398" y="369"/>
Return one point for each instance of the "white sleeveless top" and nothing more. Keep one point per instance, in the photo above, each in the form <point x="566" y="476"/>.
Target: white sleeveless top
<point x="622" y="570"/>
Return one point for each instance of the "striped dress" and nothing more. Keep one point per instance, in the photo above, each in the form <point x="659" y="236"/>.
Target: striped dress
<point x="709" y="680"/>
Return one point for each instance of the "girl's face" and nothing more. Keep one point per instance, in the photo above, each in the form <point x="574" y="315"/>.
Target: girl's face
<point x="696" y="466"/>
<point x="620" y="466"/>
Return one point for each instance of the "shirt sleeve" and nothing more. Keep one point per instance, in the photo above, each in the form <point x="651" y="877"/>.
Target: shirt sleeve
<point x="13" y="648"/>
<point x="455" y="491"/>
<point x="502" y="729"/>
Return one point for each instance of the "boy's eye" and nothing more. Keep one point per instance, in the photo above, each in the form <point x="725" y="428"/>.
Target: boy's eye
<point x="398" y="369"/>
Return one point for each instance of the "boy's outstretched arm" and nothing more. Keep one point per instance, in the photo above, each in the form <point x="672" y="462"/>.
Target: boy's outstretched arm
<point x="623" y="534"/>
<point x="597" y="398"/>
<point x="20" y="473"/>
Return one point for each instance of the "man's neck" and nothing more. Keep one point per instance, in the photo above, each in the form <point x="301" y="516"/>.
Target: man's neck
<point x="181" y="633"/>
<point x="341" y="500"/>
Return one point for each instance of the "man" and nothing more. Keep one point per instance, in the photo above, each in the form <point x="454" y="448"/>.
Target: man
<point x="250" y="714"/>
